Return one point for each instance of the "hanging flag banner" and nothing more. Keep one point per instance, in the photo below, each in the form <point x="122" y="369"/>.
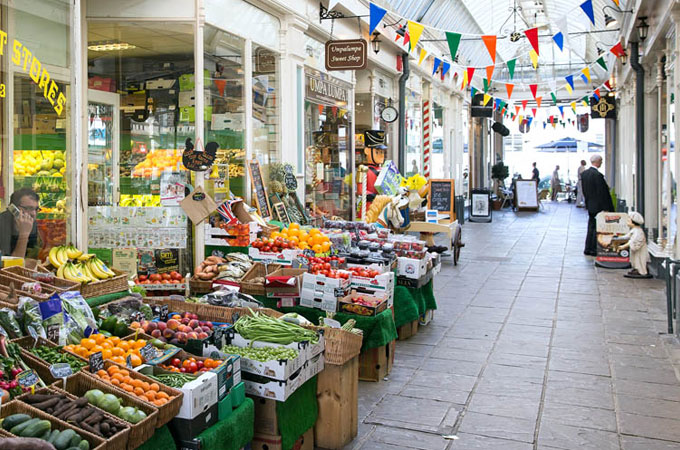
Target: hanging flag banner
<point x="489" y="72"/>
<point x="509" y="87"/>
<point x="490" y="42"/>
<point x="415" y="29"/>
<point x="524" y="105"/>
<point x="376" y="15"/>
<point x="487" y="85"/>
<point x="445" y="68"/>
<point x="487" y="97"/>
<point x="587" y="8"/>
<point x="533" y="88"/>
<point x="569" y="88"/>
<point x="437" y="62"/>
<point x="473" y="91"/>
<point x="617" y="50"/>
<point x="617" y="3"/>
<point x="570" y="81"/>
<point x="559" y="40"/>
<point x="454" y="41"/>
<point x="517" y="109"/>
<point x="533" y="111"/>
<point x="511" y="67"/>
<point x="423" y="53"/>
<point x="538" y="101"/>
<point x="586" y="73"/>
<point x="561" y="108"/>
<point x="607" y="85"/>
<point x="602" y="63"/>
<point x="563" y="26"/>
<point x="534" y="58"/>
<point x="597" y="92"/>
<point x="465" y="80"/>
<point x="554" y="97"/>
<point x="573" y="107"/>
<point x="532" y="35"/>
<point x="470" y="73"/>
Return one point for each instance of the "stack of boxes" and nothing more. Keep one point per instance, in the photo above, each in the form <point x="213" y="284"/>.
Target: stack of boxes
<point x="322" y="292"/>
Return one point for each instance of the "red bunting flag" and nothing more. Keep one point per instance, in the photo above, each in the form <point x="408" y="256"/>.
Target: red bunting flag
<point x="509" y="87"/>
<point x="538" y="101"/>
<point x="533" y="110"/>
<point x="617" y="50"/>
<point x="524" y="104"/>
<point x="532" y="35"/>
<point x="490" y="42"/>
<point x="489" y="72"/>
<point x="533" y="88"/>
<point x="470" y="73"/>
<point x="597" y="92"/>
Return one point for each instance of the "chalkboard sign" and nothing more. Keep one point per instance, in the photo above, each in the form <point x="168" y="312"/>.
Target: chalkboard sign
<point x="148" y="352"/>
<point x="199" y="160"/>
<point x="53" y="333"/>
<point x="61" y="370"/>
<point x="280" y="209"/>
<point x="96" y="362"/>
<point x="28" y="378"/>
<point x="258" y="187"/>
<point x="290" y="181"/>
<point x="440" y="198"/>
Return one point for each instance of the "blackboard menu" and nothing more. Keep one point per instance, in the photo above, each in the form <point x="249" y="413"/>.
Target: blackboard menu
<point x="441" y="196"/>
<point x="258" y="187"/>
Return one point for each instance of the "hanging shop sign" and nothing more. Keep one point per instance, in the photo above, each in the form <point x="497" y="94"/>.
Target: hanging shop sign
<point x="611" y="227"/>
<point x="603" y="108"/>
<point x="199" y="160"/>
<point x="325" y="91"/>
<point x="348" y="54"/>
<point x="265" y="60"/>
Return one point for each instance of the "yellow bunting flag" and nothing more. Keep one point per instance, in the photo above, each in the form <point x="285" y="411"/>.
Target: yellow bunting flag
<point x="423" y="53"/>
<point x="586" y="73"/>
<point x="569" y="89"/>
<point x="415" y="30"/>
<point x="534" y="58"/>
<point x="573" y="106"/>
<point x="465" y="80"/>
<point x="487" y="97"/>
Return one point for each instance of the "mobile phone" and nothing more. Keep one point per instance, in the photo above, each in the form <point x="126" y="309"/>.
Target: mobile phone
<point x="14" y="210"/>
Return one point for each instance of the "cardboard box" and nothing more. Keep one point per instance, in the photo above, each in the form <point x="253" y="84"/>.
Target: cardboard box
<point x="266" y="420"/>
<point x="131" y="102"/>
<point x="188" y="113"/>
<point x="239" y="341"/>
<point x="426" y="317"/>
<point x="188" y="99"/>
<point x="278" y="390"/>
<point x="161" y="84"/>
<point x="411" y="268"/>
<point x="44" y="124"/>
<point x="278" y="370"/>
<point x="320" y="300"/>
<point x="228" y="375"/>
<point x="188" y="429"/>
<point x="284" y="283"/>
<point x="102" y="83"/>
<point x="323" y="284"/>
<point x="9" y="261"/>
<point x="284" y="257"/>
<point x="381" y="286"/>
<point x="199" y="395"/>
<point x="347" y="305"/>
<point x="262" y="441"/>
<point x="376" y="363"/>
<point x="415" y="283"/>
<point x="315" y="365"/>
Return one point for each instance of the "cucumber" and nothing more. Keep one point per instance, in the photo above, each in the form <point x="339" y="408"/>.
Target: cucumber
<point x="75" y="440"/>
<point x="17" y="429"/>
<point x="53" y="436"/>
<point x="15" y="419"/>
<point x="84" y="445"/>
<point x="37" y="429"/>
<point x="63" y="441"/>
<point x="46" y="435"/>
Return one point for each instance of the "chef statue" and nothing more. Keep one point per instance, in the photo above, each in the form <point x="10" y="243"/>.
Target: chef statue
<point x="637" y="244"/>
<point x="374" y="152"/>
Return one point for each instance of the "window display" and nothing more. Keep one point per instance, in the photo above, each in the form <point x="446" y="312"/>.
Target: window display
<point x="328" y="146"/>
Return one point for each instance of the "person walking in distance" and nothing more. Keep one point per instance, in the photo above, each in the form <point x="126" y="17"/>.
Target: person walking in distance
<point x="534" y="174"/>
<point x="555" y="184"/>
<point x="580" y="199"/>
<point x="598" y="199"/>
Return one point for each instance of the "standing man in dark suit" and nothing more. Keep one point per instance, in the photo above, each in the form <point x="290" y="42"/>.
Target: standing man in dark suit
<point x="598" y="199"/>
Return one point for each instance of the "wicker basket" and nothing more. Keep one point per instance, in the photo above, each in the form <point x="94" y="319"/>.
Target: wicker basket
<point x="10" y="279"/>
<point x="118" y="441"/>
<point x="119" y="283"/>
<point x="26" y="344"/>
<point x="340" y="345"/>
<point x="257" y="270"/>
<point x="267" y="230"/>
<point x="140" y="432"/>
<point x="4" y="433"/>
<point x="28" y="275"/>
<point x="17" y="407"/>
<point x="200" y="286"/>
<point x="166" y="412"/>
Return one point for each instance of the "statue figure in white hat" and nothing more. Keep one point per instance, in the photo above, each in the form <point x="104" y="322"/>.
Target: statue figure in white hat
<point x="637" y="244"/>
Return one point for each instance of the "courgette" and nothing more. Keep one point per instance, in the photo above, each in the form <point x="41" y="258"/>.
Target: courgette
<point x="17" y="429"/>
<point x="37" y="429"/>
<point x="46" y="435"/>
<point x="84" y="445"/>
<point x="75" y="440"/>
<point x="63" y="441"/>
<point x="15" y="419"/>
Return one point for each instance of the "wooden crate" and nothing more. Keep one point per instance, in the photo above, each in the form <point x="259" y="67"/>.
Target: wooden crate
<point x="337" y="392"/>
<point x="376" y="363"/>
<point x="406" y="331"/>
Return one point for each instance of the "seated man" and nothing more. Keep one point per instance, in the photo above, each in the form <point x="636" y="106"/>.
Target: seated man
<point x="18" y="227"/>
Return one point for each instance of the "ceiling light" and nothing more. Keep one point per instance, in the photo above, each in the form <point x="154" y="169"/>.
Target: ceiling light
<point x="110" y="46"/>
<point x="609" y="21"/>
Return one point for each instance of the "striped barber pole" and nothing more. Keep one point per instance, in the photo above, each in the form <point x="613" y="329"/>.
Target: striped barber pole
<point x="426" y="139"/>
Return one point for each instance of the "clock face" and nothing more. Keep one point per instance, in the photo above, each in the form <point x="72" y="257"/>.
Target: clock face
<point x="389" y="114"/>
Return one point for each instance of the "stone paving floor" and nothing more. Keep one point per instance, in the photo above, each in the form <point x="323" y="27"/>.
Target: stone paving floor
<point x="532" y="347"/>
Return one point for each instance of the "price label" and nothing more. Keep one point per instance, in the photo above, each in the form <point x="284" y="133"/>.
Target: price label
<point x="137" y="316"/>
<point x="61" y="370"/>
<point x="53" y="333"/>
<point x="96" y="362"/>
<point x="27" y="378"/>
<point x="128" y="362"/>
<point x="164" y="312"/>
<point x="34" y="335"/>
<point x="148" y="352"/>
<point x="331" y="323"/>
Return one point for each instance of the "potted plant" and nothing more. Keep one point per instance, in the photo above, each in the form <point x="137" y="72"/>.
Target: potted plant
<point x="499" y="172"/>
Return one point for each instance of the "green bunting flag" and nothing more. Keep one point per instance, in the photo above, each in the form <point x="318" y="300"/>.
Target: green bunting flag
<point x="511" y="67"/>
<point x="487" y="85"/>
<point x="554" y="97"/>
<point x="453" y="40"/>
<point x="601" y="62"/>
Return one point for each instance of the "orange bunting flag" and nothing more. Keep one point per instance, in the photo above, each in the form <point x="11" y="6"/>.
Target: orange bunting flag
<point x="533" y="88"/>
<point x="524" y="104"/>
<point x="538" y="101"/>
<point x="490" y="42"/>
<point x="487" y="97"/>
<point x="489" y="72"/>
<point x="532" y="35"/>
<point x="517" y="109"/>
<point x="617" y="3"/>
<point x="509" y="87"/>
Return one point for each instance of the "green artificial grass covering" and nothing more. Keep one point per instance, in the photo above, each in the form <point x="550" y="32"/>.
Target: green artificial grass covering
<point x="378" y="330"/>
<point x="235" y="431"/>
<point x="411" y="303"/>
<point x="103" y="299"/>
<point x="297" y="414"/>
<point x="160" y="439"/>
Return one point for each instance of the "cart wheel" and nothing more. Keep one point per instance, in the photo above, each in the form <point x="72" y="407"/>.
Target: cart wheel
<point x="457" y="244"/>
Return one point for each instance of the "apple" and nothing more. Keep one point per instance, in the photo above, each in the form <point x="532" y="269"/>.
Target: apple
<point x="206" y="329"/>
<point x="194" y="316"/>
<point x="186" y="329"/>
<point x="209" y="325"/>
<point x="186" y="321"/>
<point x="168" y="333"/>
<point x="152" y="326"/>
<point x="173" y="324"/>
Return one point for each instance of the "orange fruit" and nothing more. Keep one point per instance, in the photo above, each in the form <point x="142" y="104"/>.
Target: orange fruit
<point x="294" y="226"/>
<point x="139" y="343"/>
<point x="303" y="246"/>
<point x="112" y="369"/>
<point x="316" y="248"/>
<point x="124" y="345"/>
<point x="98" y="338"/>
<point x="101" y="372"/>
<point x="88" y="343"/>
<point x="117" y="351"/>
<point x="294" y="232"/>
<point x="154" y="387"/>
<point x="115" y="340"/>
<point x="107" y="353"/>
<point x="96" y="348"/>
<point x="125" y="372"/>
<point x="115" y="382"/>
<point x="146" y="386"/>
<point x="138" y="391"/>
<point x="313" y="232"/>
<point x="326" y="246"/>
<point x="117" y="376"/>
<point x="118" y="359"/>
<point x="127" y="387"/>
<point x="162" y="394"/>
<point x="137" y="383"/>
<point x="151" y="395"/>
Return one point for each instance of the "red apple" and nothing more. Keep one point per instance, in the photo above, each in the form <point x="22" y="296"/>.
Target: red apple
<point x="206" y="329"/>
<point x="181" y="336"/>
<point x="193" y="323"/>
<point x="209" y="325"/>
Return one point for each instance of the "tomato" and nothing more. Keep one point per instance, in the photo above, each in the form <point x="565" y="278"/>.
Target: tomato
<point x="275" y="249"/>
<point x="363" y="273"/>
<point x="155" y="277"/>
<point x="341" y="260"/>
<point x="193" y="367"/>
<point x="142" y="278"/>
<point x="200" y="364"/>
<point x="186" y="363"/>
<point x="266" y="248"/>
<point x="155" y="282"/>
<point x="165" y="276"/>
<point x="326" y="265"/>
<point x="344" y="275"/>
<point x="166" y="282"/>
<point x="176" y="362"/>
<point x="183" y="370"/>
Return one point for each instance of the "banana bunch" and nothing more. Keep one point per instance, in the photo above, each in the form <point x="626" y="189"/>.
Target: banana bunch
<point x="58" y="256"/>
<point x="72" y="264"/>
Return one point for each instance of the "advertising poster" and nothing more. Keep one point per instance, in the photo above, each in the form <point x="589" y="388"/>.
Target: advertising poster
<point x="526" y="194"/>
<point x="172" y="188"/>
<point x="611" y="228"/>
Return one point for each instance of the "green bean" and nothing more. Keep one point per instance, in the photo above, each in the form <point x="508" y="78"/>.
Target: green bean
<point x="262" y="354"/>
<point x="261" y="327"/>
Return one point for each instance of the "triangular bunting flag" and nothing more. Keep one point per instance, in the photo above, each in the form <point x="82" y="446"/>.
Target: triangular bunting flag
<point x="511" y="67"/>
<point x="563" y="26"/>
<point x="497" y="105"/>
<point x="473" y="91"/>
<point x="524" y="105"/>
<point x="596" y="95"/>
<point x="454" y="40"/>
<point x="559" y="40"/>
<point x="489" y="72"/>
<point x="415" y="29"/>
<point x="586" y="73"/>
<point x="617" y="2"/>
<point x="490" y="42"/>
<point x="487" y="97"/>
<point x="607" y="85"/>
<point x="570" y="80"/>
<point x="517" y="109"/>
<point x="445" y="68"/>
<point x="569" y="88"/>
<point x="601" y="62"/>
<point x="529" y="120"/>
<point x="376" y="15"/>
<point x="465" y="80"/>
<point x="554" y="97"/>
<point x="587" y="8"/>
<point x="561" y="108"/>
<point x="423" y="53"/>
<point x="407" y="39"/>
<point x="487" y="85"/>
<point x="617" y="50"/>
<point x="538" y="101"/>
<point x="532" y="35"/>
<point x="533" y="88"/>
<point x="534" y="58"/>
<point x="470" y="73"/>
<point x="533" y="111"/>
<point x="509" y="87"/>
<point x="573" y="106"/>
<point x="597" y="92"/>
<point x="437" y="62"/>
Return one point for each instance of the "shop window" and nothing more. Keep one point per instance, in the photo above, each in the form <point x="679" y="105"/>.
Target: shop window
<point x="36" y="54"/>
<point x="265" y="105"/>
<point x="414" y="134"/>
<point x="141" y="111"/>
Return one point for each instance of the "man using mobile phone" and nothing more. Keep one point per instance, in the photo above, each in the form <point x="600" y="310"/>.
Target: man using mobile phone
<point x="18" y="228"/>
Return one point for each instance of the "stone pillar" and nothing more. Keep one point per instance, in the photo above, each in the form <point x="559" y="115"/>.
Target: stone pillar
<point x="651" y="123"/>
<point x="675" y="17"/>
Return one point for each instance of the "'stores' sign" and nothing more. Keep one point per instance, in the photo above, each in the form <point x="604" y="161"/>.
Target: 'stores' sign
<point x="347" y="54"/>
